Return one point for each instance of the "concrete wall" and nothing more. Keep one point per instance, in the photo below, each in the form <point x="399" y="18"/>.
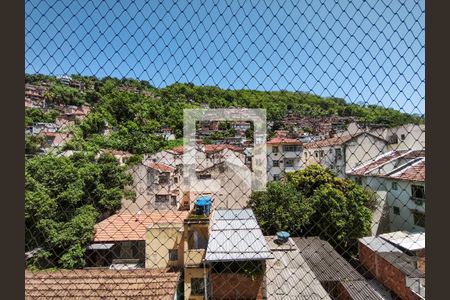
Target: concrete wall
<point x="401" y="198"/>
<point x="160" y="238"/>
<point x="190" y="273"/>
<point x="385" y="273"/>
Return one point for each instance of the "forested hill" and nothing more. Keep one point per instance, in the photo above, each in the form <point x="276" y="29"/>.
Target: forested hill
<point x="136" y="110"/>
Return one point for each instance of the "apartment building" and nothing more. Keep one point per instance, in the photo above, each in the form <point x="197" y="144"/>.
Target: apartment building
<point x="283" y="155"/>
<point x="342" y="153"/>
<point x="398" y="180"/>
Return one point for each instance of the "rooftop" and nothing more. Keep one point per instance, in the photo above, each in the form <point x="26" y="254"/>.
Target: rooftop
<point x="101" y="284"/>
<point x="284" y="141"/>
<point x="132" y="227"/>
<point x="325" y="262"/>
<point x="288" y="276"/>
<point x="405" y="240"/>
<point x="236" y="236"/>
<point x="161" y="167"/>
<point x="409" y="165"/>
<point x="338" y="140"/>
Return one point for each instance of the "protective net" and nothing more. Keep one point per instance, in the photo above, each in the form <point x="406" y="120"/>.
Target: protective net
<point x="224" y="149"/>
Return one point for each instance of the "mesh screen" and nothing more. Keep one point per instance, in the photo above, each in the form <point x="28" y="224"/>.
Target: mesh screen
<point x="225" y="149"/>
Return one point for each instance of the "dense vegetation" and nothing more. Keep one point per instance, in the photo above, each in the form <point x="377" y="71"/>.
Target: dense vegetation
<point x="314" y="202"/>
<point x="134" y="112"/>
<point x="64" y="198"/>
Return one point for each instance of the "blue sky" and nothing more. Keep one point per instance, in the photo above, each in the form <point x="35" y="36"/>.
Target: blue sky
<point x="367" y="51"/>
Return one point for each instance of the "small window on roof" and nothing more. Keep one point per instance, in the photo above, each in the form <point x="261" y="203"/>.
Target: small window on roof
<point x="394" y="185"/>
<point x="396" y="210"/>
<point x="419" y="219"/>
<point x="173" y="254"/>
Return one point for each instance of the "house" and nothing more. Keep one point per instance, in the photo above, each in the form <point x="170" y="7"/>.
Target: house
<point x="55" y="139"/>
<point x="35" y="95"/>
<point x="158" y="180"/>
<point x="404" y="137"/>
<point x="288" y="276"/>
<point x="342" y="153"/>
<point x="212" y="248"/>
<point x="336" y="275"/>
<point x="39" y="127"/>
<point x="235" y="243"/>
<point x="101" y="284"/>
<point x="283" y="155"/>
<point x="121" y="238"/>
<point x="396" y="260"/>
<point x="398" y="180"/>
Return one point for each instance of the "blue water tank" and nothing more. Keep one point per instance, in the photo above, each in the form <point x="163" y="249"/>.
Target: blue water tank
<point x="283" y="236"/>
<point x="203" y="205"/>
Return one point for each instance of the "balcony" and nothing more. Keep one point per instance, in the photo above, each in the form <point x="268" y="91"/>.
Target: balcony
<point x="194" y="257"/>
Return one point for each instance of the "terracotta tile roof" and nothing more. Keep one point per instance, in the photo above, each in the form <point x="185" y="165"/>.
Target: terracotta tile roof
<point x="132" y="227"/>
<point x="179" y="149"/>
<point x="161" y="167"/>
<point x="377" y="162"/>
<point x="101" y="284"/>
<point x="215" y="148"/>
<point x="284" y="141"/>
<point x="338" y="140"/>
<point x="414" y="172"/>
<point x="59" y="138"/>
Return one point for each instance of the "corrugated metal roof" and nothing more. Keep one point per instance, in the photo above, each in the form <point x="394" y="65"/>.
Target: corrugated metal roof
<point x="377" y="244"/>
<point x="406" y="240"/>
<point x="360" y="290"/>
<point x="235" y="235"/>
<point x="325" y="262"/>
<point x="288" y="276"/>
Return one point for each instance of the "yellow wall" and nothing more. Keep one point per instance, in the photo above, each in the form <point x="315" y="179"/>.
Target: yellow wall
<point x="160" y="238"/>
<point x="192" y="273"/>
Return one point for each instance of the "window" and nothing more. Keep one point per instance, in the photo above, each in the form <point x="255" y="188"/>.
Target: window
<point x="174" y="199"/>
<point x="162" y="198"/>
<point x="289" y="163"/>
<point x="204" y="176"/>
<point x="306" y="154"/>
<point x="164" y="178"/>
<point x="396" y="210"/>
<point x="394" y="185"/>
<point x="275" y="149"/>
<point x="402" y="137"/>
<point x="418" y="191"/>
<point x="358" y="180"/>
<point x="173" y="254"/>
<point x="276" y="163"/>
<point x="276" y="177"/>
<point x="338" y="153"/>
<point x="291" y="148"/>
<point x="175" y="179"/>
<point x="393" y="139"/>
<point x="419" y="219"/>
<point x="197" y="286"/>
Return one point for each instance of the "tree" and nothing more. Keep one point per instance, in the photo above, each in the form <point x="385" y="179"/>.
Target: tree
<point x="281" y="207"/>
<point x="314" y="202"/>
<point x="64" y="198"/>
